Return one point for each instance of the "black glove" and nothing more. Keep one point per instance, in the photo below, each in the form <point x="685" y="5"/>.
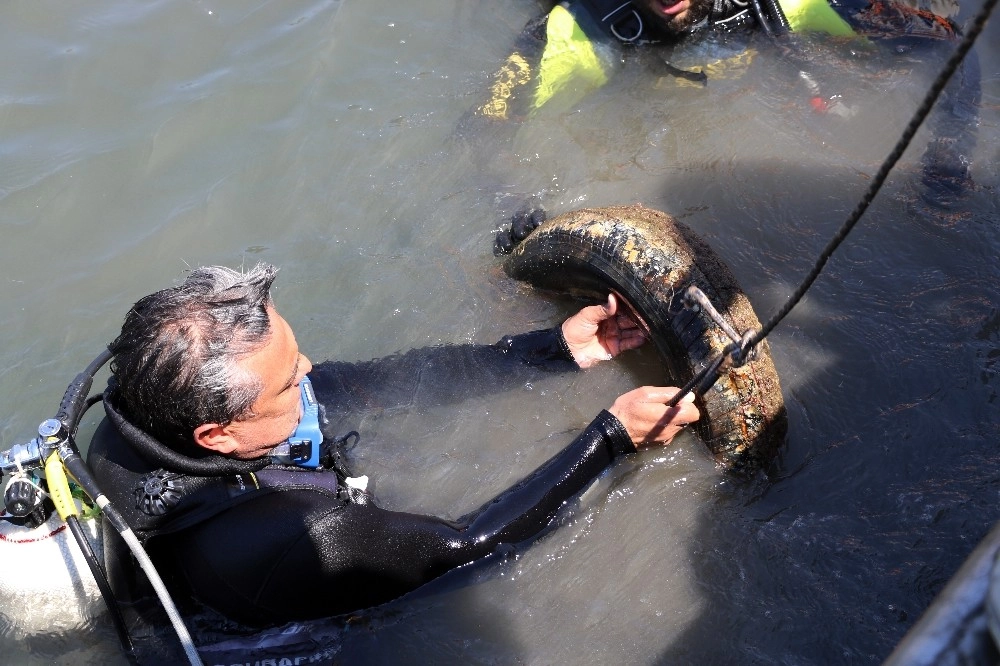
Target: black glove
<point x="524" y="221"/>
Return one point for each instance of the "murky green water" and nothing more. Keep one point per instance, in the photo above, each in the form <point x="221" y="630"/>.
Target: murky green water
<point x="139" y="139"/>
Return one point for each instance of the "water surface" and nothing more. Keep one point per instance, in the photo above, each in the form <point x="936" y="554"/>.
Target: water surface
<point x="320" y="136"/>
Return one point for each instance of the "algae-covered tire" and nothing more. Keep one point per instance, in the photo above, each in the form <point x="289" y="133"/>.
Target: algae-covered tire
<point x="648" y="258"/>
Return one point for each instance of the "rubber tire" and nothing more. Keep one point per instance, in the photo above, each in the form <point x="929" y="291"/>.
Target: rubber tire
<point x="648" y="258"/>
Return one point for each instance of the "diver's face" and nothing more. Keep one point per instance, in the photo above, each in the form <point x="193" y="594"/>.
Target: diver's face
<point x="276" y="412"/>
<point x="675" y="16"/>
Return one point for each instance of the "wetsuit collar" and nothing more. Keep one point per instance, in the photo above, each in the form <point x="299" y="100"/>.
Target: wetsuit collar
<point x="184" y="459"/>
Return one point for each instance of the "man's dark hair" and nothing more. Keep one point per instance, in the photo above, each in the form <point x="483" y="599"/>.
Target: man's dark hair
<point x="175" y="359"/>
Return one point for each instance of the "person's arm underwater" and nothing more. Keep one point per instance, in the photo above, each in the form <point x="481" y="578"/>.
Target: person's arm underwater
<point x="322" y="558"/>
<point x="450" y="373"/>
<point x="394" y="552"/>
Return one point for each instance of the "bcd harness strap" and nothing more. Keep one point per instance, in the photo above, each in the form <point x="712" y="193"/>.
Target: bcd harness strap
<point x="618" y="19"/>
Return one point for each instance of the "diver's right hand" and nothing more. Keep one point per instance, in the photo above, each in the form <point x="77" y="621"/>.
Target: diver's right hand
<point x="524" y="221"/>
<point x="646" y="417"/>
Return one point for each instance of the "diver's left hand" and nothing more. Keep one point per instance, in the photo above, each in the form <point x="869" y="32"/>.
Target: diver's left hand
<point x="598" y="333"/>
<point x="525" y="220"/>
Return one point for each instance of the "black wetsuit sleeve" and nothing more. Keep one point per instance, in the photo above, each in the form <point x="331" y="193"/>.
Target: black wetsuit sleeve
<point x="297" y="555"/>
<point x="440" y="375"/>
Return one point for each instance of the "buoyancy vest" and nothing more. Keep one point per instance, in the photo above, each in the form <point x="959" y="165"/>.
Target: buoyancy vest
<point x="159" y="491"/>
<point x="570" y="60"/>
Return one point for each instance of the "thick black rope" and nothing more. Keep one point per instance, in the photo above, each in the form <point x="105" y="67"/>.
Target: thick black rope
<point x="876" y="184"/>
<point x="739" y="352"/>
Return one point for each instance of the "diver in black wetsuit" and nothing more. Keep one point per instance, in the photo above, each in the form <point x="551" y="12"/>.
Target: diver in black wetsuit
<point x="205" y="383"/>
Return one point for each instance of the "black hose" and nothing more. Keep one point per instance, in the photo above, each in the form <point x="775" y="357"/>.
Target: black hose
<point x="758" y="10"/>
<point x="776" y="14"/>
<point x="73" y="403"/>
<point x="71" y="410"/>
<point x="79" y="470"/>
<point x="771" y="17"/>
<point x="102" y="582"/>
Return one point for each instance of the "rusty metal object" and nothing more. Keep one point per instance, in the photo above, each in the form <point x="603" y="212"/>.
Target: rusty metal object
<point x="649" y="259"/>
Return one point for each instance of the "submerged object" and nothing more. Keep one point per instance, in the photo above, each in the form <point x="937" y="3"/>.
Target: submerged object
<point x="649" y="259"/>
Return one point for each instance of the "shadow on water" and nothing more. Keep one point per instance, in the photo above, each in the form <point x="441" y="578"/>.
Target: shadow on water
<point x="878" y="499"/>
<point x="878" y="495"/>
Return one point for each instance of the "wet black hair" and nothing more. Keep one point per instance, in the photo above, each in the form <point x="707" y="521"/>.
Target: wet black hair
<point x="174" y="365"/>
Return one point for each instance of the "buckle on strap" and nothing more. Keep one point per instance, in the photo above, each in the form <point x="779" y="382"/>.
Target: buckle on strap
<point x="619" y="21"/>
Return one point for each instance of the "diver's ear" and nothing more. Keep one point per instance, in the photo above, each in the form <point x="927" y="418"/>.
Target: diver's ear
<point x="216" y="438"/>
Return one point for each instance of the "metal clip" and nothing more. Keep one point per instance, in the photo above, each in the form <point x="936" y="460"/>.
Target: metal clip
<point x="695" y="299"/>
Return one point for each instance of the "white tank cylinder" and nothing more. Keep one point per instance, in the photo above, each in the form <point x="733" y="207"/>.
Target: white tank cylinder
<point x="45" y="583"/>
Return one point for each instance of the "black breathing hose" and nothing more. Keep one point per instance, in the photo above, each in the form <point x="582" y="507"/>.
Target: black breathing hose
<point x="102" y="584"/>
<point x="79" y="470"/>
<point x="71" y="410"/>
<point x="74" y="402"/>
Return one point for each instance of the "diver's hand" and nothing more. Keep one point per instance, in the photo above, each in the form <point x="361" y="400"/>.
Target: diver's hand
<point x="646" y="417"/>
<point x="522" y="223"/>
<point x="598" y="333"/>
